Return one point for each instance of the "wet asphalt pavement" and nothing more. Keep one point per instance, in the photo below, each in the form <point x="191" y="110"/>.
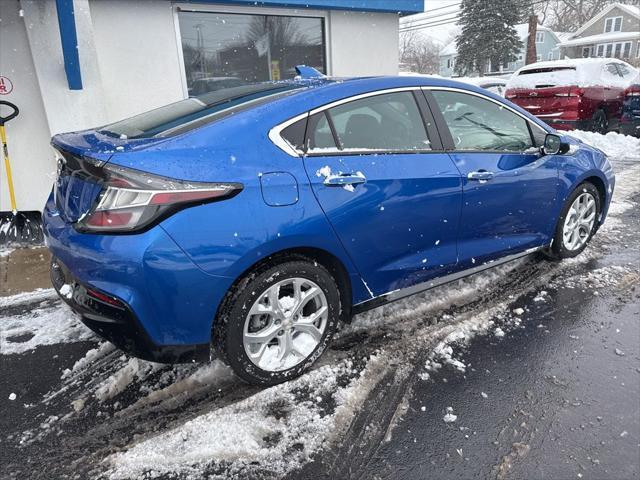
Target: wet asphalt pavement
<point x="556" y="397"/>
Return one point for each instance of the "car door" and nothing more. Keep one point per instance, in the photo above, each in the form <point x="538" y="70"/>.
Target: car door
<point x="392" y="195"/>
<point x="509" y="187"/>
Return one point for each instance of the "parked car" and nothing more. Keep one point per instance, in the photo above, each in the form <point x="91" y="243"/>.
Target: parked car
<point x="249" y="222"/>
<point x="495" y="85"/>
<point x="630" y="121"/>
<point x="585" y="94"/>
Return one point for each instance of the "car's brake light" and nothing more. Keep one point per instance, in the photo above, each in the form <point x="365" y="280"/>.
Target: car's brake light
<point x="131" y="200"/>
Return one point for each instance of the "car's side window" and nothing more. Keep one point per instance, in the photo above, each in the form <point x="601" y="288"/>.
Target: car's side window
<point x="294" y="134"/>
<point x="476" y="123"/>
<point x="382" y="123"/>
<point x="319" y="135"/>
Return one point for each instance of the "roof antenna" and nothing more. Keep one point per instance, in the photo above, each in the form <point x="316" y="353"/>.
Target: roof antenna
<point x="308" y="72"/>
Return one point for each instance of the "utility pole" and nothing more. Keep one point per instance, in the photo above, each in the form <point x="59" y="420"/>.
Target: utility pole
<point x="531" y="56"/>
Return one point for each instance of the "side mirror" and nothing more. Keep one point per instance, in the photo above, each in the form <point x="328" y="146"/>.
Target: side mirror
<point x="553" y="145"/>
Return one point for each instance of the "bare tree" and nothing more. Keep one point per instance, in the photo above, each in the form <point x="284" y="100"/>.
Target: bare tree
<point x="419" y="54"/>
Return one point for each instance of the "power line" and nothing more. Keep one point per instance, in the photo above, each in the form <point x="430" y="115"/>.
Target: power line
<point x="426" y="23"/>
<point x="428" y="18"/>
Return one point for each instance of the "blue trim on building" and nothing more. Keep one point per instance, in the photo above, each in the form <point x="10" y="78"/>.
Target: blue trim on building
<point x="402" y="7"/>
<point x="69" y="40"/>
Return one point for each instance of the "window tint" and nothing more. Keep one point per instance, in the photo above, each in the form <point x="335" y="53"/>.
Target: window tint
<point x="479" y="124"/>
<point x="294" y="134"/>
<point x="388" y="122"/>
<point x="319" y="136"/>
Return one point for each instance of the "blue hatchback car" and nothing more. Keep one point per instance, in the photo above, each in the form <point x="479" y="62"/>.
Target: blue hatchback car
<point x="250" y="221"/>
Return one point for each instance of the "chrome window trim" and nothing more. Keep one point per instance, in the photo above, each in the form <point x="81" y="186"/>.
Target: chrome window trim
<point x="476" y="94"/>
<point x="360" y="96"/>
<point x="276" y="137"/>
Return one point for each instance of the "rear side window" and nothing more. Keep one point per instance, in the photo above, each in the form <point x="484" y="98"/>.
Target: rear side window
<point x="381" y="123"/>
<point x="476" y="123"/>
<point x="193" y="112"/>
<point x="294" y="134"/>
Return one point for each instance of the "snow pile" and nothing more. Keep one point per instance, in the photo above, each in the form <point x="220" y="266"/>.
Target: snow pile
<point x="599" y="278"/>
<point x="423" y="305"/>
<point x="613" y="144"/>
<point x="277" y="429"/>
<point x="118" y="382"/>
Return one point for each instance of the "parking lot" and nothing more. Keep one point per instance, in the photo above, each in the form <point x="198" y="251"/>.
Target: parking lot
<point x="529" y="370"/>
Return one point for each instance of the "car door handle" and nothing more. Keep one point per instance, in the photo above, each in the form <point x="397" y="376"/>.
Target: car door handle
<point x="344" y="179"/>
<point x="480" y="175"/>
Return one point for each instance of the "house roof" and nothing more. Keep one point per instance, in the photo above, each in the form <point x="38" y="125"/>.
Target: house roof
<point x="523" y="32"/>
<point x="600" y="38"/>
<point x="630" y="9"/>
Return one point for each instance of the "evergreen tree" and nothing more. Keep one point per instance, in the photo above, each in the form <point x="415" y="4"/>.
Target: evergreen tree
<point x="487" y="35"/>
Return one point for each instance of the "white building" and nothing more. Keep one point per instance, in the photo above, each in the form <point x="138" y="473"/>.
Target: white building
<point x="76" y="64"/>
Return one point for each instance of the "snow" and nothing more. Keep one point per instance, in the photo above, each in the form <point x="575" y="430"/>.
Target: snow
<point x="248" y="431"/>
<point x="44" y="324"/>
<point x="612" y="144"/>
<point x="582" y="72"/>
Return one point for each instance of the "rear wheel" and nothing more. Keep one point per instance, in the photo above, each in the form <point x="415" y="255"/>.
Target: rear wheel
<point x="577" y="223"/>
<point x="277" y="321"/>
<point x="600" y="123"/>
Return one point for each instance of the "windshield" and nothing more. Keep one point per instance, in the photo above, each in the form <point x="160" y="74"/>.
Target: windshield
<point x="195" y="111"/>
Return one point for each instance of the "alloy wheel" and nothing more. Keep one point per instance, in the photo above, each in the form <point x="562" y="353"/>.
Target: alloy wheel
<point x="579" y="221"/>
<point x="285" y="324"/>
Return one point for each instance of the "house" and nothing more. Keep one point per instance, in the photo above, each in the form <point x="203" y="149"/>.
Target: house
<point x="614" y="32"/>
<point x="546" y="49"/>
<point x="75" y="64"/>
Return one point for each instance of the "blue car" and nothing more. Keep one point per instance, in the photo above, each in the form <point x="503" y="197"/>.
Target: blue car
<point x="248" y="222"/>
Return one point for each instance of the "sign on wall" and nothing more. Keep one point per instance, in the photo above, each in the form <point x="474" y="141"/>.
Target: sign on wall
<point x="6" y="85"/>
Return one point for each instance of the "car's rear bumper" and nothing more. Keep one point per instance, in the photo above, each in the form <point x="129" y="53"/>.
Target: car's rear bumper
<point x="116" y="322"/>
<point x="169" y="302"/>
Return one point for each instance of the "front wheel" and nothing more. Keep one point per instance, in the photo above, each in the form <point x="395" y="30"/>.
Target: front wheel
<point x="577" y="222"/>
<point x="277" y="321"/>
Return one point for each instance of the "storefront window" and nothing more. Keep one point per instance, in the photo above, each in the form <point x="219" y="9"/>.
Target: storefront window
<point x="223" y="50"/>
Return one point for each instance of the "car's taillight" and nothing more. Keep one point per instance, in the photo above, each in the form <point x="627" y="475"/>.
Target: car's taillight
<point x="132" y="200"/>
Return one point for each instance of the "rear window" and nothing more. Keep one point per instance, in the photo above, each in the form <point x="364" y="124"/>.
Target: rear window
<point x="546" y="70"/>
<point x="193" y="112"/>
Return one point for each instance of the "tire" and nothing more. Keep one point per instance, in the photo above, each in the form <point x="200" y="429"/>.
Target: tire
<point x="600" y="124"/>
<point x="237" y="319"/>
<point x="561" y="246"/>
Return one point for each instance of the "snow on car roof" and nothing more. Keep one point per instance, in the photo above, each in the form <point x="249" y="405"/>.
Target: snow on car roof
<point x="579" y="71"/>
